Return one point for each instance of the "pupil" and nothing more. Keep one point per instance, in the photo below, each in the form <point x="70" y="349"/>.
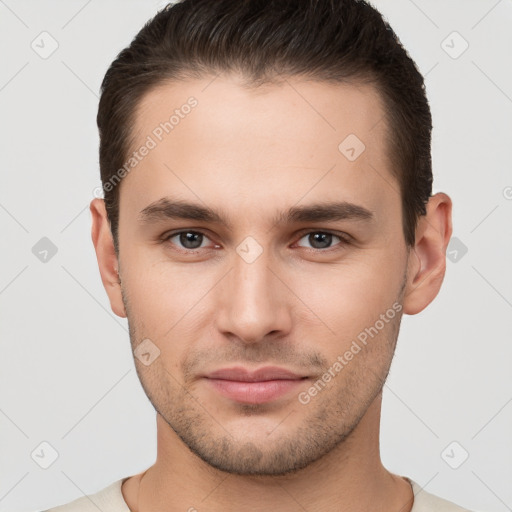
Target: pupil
<point x="323" y="238"/>
<point x="189" y="240"/>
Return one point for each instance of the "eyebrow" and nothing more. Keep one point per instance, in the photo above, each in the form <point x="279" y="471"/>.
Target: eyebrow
<point x="165" y="209"/>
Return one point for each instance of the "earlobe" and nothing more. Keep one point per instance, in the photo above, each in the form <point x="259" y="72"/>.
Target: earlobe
<point x="427" y="259"/>
<point x="105" y="253"/>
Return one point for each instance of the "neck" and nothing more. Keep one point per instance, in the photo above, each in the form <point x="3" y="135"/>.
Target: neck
<point x="350" y="477"/>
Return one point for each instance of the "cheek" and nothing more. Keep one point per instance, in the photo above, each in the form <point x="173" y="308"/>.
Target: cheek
<point x="350" y="296"/>
<point x="167" y="301"/>
<point x="155" y="314"/>
<point x="353" y="286"/>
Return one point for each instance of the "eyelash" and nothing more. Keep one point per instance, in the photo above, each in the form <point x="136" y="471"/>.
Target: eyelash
<point x="345" y="239"/>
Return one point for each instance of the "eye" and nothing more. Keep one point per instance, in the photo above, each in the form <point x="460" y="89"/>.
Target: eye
<point x="189" y="240"/>
<point x="323" y="239"/>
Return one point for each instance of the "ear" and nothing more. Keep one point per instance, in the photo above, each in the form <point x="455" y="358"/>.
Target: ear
<point x="427" y="259"/>
<point x="106" y="256"/>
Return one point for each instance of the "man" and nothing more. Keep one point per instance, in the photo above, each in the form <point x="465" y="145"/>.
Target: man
<point x="268" y="219"/>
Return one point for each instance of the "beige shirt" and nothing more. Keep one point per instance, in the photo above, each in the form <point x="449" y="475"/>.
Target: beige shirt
<point x="111" y="499"/>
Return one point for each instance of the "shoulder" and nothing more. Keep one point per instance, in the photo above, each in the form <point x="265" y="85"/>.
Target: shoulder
<point x="109" y="499"/>
<point x="426" y="502"/>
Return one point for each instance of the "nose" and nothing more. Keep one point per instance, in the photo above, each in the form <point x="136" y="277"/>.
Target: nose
<point x="254" y="303"/>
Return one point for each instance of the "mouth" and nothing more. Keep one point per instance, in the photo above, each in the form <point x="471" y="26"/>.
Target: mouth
<point x="254" y="387"/>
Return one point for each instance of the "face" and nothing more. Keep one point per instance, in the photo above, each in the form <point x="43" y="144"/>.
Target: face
<point x="260" y="235"/>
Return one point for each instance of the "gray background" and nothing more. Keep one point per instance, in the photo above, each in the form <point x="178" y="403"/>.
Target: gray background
<point x="67" y="376"/>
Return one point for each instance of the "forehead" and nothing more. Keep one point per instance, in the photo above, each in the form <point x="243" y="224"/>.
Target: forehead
<point x="216" y="139"/>
<point x="301" y="109"/>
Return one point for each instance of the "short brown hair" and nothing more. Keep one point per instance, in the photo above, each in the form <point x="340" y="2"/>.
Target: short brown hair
<point x="338" y="41"/>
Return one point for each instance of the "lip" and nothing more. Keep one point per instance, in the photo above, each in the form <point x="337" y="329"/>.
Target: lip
<point x="256" y="386"/>
<point x="241" y="374"/>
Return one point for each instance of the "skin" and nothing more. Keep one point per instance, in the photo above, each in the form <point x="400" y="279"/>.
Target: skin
<point x="249" y="154"/>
